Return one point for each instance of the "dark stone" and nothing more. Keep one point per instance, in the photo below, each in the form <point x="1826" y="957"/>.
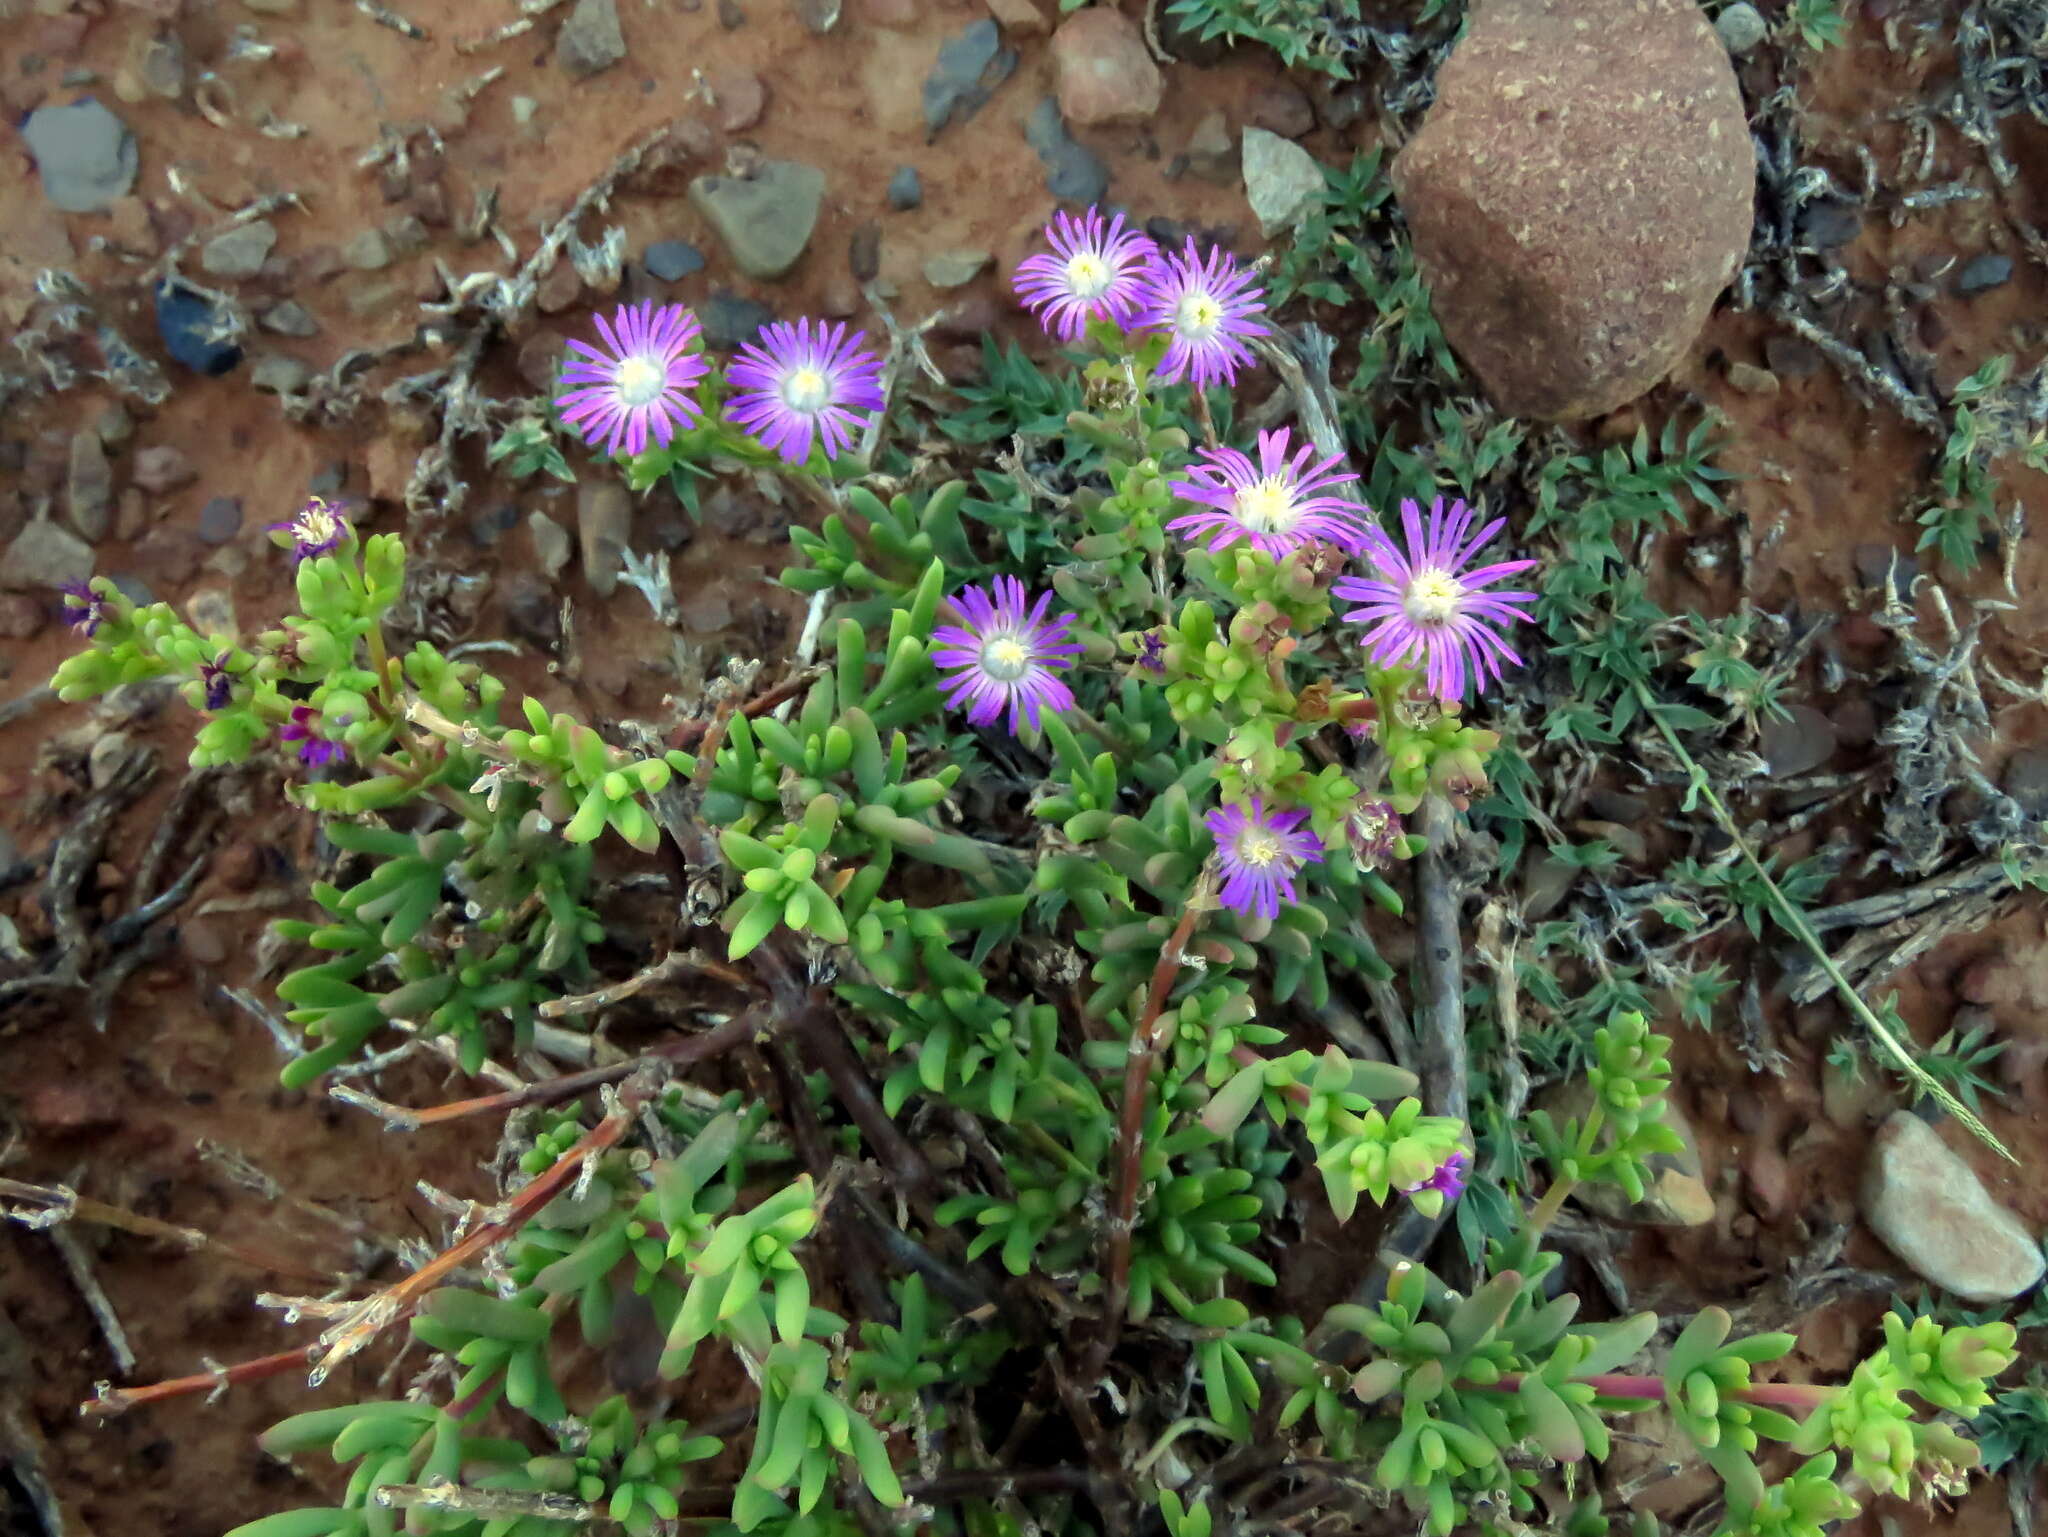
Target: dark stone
<point x="1073" y="172"/>
<point x="2026" y="780"/>
<point x="1791" y="358"/>
<point x="1876" y="562"/>
<point x="672" y="259"/>
<point x="968" y="70"/>
<point x="183" y="320"/>
<point x="487" y="528"/>
<point x="1828" y="226"/>
<point x="744" y="516"/>
<point x="1616" y="806"/>
<point x="864" y="252"/>
<point x="1983" y="273"/>
<point x="1797" y="742"/>
<point x="730" y="16"/>
<point x="1283" y="109"/>
<point x="728" y="319"/>
<point x="906" y="191"/>
<point x="532" y="611"/>
<point x="220" y="519"/>
<point x="133" y="588"/>
<point x="1182" y="37"/>
<point x="329" y="481"/>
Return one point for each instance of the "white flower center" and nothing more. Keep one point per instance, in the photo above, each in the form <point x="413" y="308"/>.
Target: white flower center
<point x="1433" y="597"/>
<point x="806" y="390"/>
<point x="1005" y="658"/>
<point x="1088" y="275"/>
<point x="316" y="523"/>
<point x="1199" y="316"/>
<point x="640" y="381"/>
<point x="1257" y="847"/>
<point x="1268" y="506"/>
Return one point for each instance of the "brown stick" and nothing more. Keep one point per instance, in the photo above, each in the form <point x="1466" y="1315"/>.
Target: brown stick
<point x="550" y="1091"/>
<point x="691" y="732"/>
<point x="1130" y="1130"/>
<point x="66" y="1205"/>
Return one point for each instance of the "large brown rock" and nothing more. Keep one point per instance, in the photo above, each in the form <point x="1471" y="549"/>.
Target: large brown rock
<point x="1579" y="194"/>
<point x="1105" y="73"/>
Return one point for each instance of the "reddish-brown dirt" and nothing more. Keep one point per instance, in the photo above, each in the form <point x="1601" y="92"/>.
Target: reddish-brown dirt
<point x="122" y="1115"/>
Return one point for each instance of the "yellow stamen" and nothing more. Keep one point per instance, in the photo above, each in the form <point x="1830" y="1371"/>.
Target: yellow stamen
<point x="1433" y="597"/>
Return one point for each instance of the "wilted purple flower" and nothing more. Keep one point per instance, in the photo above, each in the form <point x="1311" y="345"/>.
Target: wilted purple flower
<point x="216" y="680"/>
<point x="1423" y="606"/>
<point x="1095" y="271"/>
<point x="85" y="610"/>
<point x="1261" y="852"/>
<point x="640" y="383"/>
<point x="1277" y="504"/>
<point x="1449" y="1178"/>
<point x="1152" y="651"/>
<point x="809" y="378"/>
<point x="1005" y="654"/>
<point x="1374" y="827"/>
<point x="304" y="728"/>
<point x="319" y="529"/>
<point x="1208" y="310"/>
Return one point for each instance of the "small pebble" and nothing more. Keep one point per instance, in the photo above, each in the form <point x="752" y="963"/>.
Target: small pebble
<point x="730" y="16"/>
<point x="1983" y="273"/>
<point x="220" y="519"/>
<point x="1740" y="28"/>
<point x="906" y="190"/>
<point x="1751" y="380"/>
<point x="670" y="260"/>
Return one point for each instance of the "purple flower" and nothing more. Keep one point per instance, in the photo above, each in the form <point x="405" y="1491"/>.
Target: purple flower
<point x="1152" y="651"/>
<point x="314" y="749"/>
<point x="809" y="378"/>
<point x="319" y="529"/>
<point x="1277" y="503"/>
<point x="1095" y="272"/>
<point x="1261" y="852"/>
<point x="1004" y="654"/>
<point x="639" y="383"/>
<point x="1448" y="1180"/>
<point x="1208" y="310"/>
<point x="1425" y="607"/>
<point x="85" y="610"/>
<point x="216" y="680"/>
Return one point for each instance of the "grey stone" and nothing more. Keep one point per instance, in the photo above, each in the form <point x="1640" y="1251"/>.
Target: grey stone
<point x="765" y="220"/>
<point x="114" y="426"/>
<point x="551" y="545"/>
<point x="729" y="319"/>
<point x="1933" y="1212"/>
<point x="1740" y="28"/>
<point x="1797" y="742"/>
<point x="1981" y="274"/>
<point x="162" y="468"/>
<point x="406" y="234"/>
<point x="89" y="487"/>
<point x="1751" y="380"/>
<point x="241" y="251"/>
<point x="289" y="318"/>
<point x="220" y="519"/>
<point x="85" y="155"/>
<point x="1212" y="149"/>
<point x="367" y="251"/>
<point x="2026" y="780"/>
<point x="604" y="528"/>
<point x="818" y="16"/>
<point x="672" y="259"/>
<point x="590" y="41"/>
<point x="955" y="269"/>
<point x="161" y="65"/>
<point x="965" y="75"/>
<point x="1826" y="225"/>
<point x="1282" y="181"/>
<point x="45" y="556"/>
<point x="277" y="374"/>
<point x="906" y="190"/>
<point x="1073" y="172"/>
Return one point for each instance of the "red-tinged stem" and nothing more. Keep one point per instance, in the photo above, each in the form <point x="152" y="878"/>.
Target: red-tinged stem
<point x="112" y="1401"/>
<point x="1146" y="1039"/>
<point x="1801" y="1397"/>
